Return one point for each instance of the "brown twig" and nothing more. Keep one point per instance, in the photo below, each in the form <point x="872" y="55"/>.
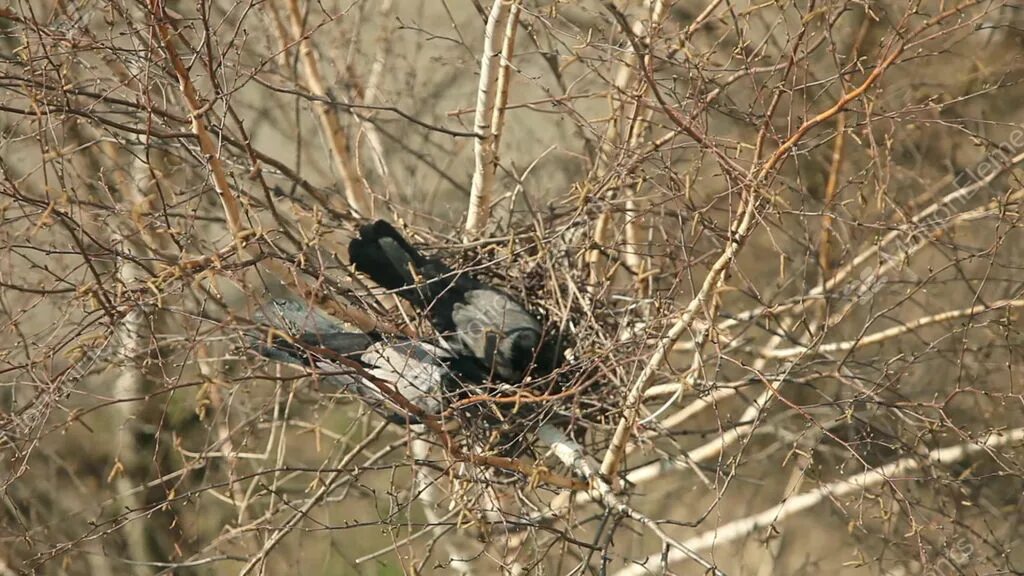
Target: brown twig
<point x="197" y="111"/>
<point x="356" y="194"/>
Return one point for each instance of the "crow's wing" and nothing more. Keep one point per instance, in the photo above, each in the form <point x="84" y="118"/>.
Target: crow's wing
<point x="496" y="330"/>
<point x="302" y="331"/>
<point x="311" y="326"/>
<point x="316" y="340"/>
<point x="415" y="369"/>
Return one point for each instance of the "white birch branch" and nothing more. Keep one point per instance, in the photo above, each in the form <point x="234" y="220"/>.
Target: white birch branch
<point x="430" y="497"/>
<point x="373" y="91"/>
<point x="358" y="197"/>
<point x="892" y="472"/>
<point x="636" y="393"/>
<point x="891" y="332"/>
<point x="484" y="151"/>
<point x="571" y="454"/>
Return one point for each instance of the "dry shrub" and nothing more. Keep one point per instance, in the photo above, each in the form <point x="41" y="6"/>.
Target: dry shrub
<point x="781" y="240"/>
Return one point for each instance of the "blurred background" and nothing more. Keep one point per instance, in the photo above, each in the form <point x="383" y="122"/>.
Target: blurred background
<point x="782" y="240"/>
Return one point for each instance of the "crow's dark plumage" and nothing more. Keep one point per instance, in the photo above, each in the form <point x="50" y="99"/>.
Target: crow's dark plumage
<point x="477" y="321"/>
<point x="415" y="370"/>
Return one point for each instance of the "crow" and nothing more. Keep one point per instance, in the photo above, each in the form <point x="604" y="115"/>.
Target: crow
<point x="477" y="321"/>
<point x="352" y="360"/>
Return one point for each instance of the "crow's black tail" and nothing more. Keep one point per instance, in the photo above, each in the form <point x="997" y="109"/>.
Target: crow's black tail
<point x="383" y="254"/>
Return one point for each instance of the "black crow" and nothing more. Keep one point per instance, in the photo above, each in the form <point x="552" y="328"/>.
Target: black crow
<point x="355" y="361"/>
<point x="477" y="321"/>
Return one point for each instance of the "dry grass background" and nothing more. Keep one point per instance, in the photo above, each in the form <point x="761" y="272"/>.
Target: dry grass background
<point x="167" y="167"/>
